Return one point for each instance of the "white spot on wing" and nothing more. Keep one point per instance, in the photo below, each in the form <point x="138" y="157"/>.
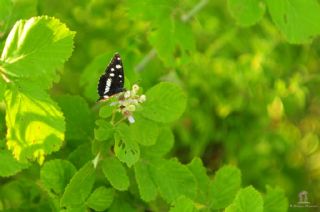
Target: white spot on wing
<point x="112" y="69"/>
<point x="120" y="76"/>
<point x="108" y="84"/>
<point x="118" y="58"/>
<point x="118" y="66"/>
<point x="111" y="74"/>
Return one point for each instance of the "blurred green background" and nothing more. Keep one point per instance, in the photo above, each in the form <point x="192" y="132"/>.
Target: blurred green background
<point x="253" y="97"/>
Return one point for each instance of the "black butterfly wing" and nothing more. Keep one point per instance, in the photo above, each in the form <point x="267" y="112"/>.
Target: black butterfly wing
<point x="112" y="81"/>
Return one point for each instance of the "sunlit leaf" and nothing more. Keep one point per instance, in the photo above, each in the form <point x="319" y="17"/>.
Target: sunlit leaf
<point x="36" y="48"/>
<point x="35" y="123"/>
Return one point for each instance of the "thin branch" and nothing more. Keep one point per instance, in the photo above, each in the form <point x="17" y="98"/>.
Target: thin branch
<point x="152" y="53"/>
<point x="184" y="18"/>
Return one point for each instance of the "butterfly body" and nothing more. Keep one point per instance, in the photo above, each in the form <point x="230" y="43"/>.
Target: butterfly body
<point x="112" y="81"/>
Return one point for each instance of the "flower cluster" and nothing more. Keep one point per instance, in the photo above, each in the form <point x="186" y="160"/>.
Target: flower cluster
<point x="128" y="101"/>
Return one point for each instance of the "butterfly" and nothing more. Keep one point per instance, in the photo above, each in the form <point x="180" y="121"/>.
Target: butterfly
<point x="112" y="81"/>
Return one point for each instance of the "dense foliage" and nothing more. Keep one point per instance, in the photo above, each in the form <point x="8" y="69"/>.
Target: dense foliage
<point x="221" y="110"/>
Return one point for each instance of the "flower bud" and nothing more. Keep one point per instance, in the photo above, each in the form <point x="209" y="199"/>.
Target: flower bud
<point x="142" y="98"/>
<point x="131" y="119"/>
<point x="135" y="88"/>
<point x="127" y="94"/>
<point x="131" y="108"/>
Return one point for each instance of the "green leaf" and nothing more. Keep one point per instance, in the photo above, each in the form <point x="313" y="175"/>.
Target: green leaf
<point x="169" y="35"/>
<point x="5" y="11"/>
<point x="246" y="12"/>
<point x="35" y="48"/>
<point x="79" y="188"/>
<point x="81" y="208"/>
<point x="126" y="148"/>
<point x="224" y="187"/>
<point x="147" y="131"/>
<point x="56" y="174"/>
<point x="183" y="204"/>
<point x="104" y="131"/>
<point x="275" y="200"/>
<point x="81" y="155"/>
<point x="165" y="103"/>
<point x="106" y="111"/>
<point x="9" y="165"/>
<point x="173" y="180"/>
<point x="298" y="20"/>
<point x="163" y="40"/>
<point x="163" y="145"/>
<point x="146" y="9"/>
<point x="3" y="86"/>
<point x="78" y="116"/>
<point x="35" y="123"/>
<point x="11" y="11"/>
<point x="121" y="205"/>
<point x="100" y="199"/>
<point x="247" y="200"/>
<point x="203" y="181"/>
<point x="115" y="173"/>
<point x="184" y="37"/>
<point x="147" y="188"/>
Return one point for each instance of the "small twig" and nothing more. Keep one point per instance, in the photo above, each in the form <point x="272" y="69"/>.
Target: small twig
<point x="184" y="18"/>
<point x="122" y="119"/>
<point x="146" y="60"/>
<point x="112" y="118"/>
<point x="194" y="10"/>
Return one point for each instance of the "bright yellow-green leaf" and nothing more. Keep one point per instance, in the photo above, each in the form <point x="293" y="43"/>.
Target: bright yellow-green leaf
<point x="35" y="48"/>
<point x="35" y="123"/>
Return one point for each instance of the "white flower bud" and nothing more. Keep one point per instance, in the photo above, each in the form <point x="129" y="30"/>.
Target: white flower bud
<point x="131" y="108"/>
<point x="142" y="98"/>
<point x="126" y="103"/>
<point x="127" y="94"/>
<point x="135" y="88"/>
<point x="131" y="119"/>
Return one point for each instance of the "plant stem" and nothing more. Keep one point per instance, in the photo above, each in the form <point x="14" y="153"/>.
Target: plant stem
<point x="194" y="11"/>
<point x="124" y="118"/>
<point x="152" y="53"/>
